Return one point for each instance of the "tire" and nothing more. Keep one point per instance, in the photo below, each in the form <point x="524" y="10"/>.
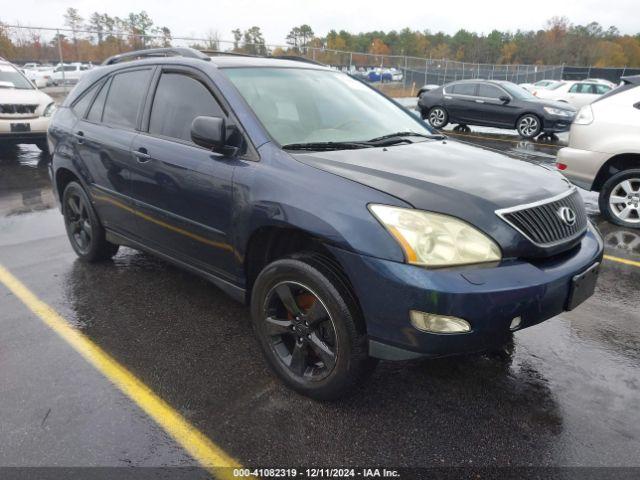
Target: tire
<point x="438" y="117"/>
<point x="84" y="230"/>
<point x="528" y="125"/>
<point x="619" y="199"/>
<point x="323" y="314"/>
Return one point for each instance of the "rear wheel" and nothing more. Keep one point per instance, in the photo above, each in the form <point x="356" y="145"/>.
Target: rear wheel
<point x="619" y="199"/>
<point x="528" y="126"/>
<point x="307" y="326"/>
<point x="438" y="117"/>
<point x="86" y="234"/>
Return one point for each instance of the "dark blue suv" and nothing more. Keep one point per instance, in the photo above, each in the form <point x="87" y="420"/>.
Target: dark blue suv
<point x="353" y="231"/>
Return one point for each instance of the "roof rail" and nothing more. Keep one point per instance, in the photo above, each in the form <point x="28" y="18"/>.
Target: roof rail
<point x="297" y="59"/>
<point x="232" y="54"/>
<point x="157" y="52"/>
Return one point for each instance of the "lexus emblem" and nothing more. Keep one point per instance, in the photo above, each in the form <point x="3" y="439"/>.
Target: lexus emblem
<point x="567" y="216"/>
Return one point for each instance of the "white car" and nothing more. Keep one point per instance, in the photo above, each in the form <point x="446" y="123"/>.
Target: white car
<point x="604" y="152"/>
<point x="25" y="111"/>
<point x="40" y="76"/>
<point x="575" y="93"/>
<point x="539" y="84"/>
<point x="69" y="73"/>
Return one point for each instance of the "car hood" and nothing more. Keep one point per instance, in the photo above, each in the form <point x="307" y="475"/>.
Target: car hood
<point x="16" y="95"/>
<point x="447" y="177"/>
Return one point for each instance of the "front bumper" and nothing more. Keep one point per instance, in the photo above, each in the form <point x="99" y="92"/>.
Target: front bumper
<point x="37" y="130"/>
<point x="488" y="297"/>
<point x="553" y="124"/>
<point x="582" y="165"/>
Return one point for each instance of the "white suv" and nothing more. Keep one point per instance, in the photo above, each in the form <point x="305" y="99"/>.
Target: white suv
<point x="25" y="111"/>
<point x="604" y="152"/>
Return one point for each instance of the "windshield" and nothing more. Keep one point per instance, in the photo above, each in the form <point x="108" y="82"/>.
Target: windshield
<point x="517" y="92"/>
<point x="12" y="78"/>
<point x="299" y="105"/>
<point x="555" y="86"/>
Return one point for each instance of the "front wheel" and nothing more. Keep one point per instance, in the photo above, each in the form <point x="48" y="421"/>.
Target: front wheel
<point x="528" y="126"/>
<point x="438" y="117"/>
<point x="307" y="324"/>
<point x="86" y="234"/>
<point x="619" y="199"/>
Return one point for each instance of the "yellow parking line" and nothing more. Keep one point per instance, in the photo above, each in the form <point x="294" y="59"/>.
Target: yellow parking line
<point x="622" y="260"/>
<point x="201" y="448"/>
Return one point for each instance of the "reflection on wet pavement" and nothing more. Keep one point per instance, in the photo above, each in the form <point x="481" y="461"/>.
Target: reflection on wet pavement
<point x="565" y="392"/>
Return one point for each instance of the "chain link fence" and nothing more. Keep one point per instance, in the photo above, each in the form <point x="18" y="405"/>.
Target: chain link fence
<point x="396" y="74"/>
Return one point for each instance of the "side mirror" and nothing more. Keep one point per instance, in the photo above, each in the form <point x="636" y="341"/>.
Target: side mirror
<point x="209" y="132"/>
<point x="504" y="98"/>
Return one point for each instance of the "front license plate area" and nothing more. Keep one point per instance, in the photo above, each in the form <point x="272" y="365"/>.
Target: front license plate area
<point x="20" y="127"/>
<point x="583" y="285"/>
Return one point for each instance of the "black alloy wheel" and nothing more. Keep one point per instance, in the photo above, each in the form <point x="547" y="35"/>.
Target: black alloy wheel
<point x="310" y="327"/>
<point x="301" y="331"/>
<point x="85" y="232"/>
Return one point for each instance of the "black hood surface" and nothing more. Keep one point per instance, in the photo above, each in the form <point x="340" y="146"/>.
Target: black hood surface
<point x="447" y="177"/>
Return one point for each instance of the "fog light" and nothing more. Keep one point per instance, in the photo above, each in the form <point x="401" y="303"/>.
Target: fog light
<point x="515" y="323"/>
<point x="430" y="322"/>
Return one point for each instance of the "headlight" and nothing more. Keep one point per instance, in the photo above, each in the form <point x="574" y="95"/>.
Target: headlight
<point x="558" y="112"/>
<point x="436" y="240"/>
<point x="585" y="116"/>
<point x="49" y="110"/>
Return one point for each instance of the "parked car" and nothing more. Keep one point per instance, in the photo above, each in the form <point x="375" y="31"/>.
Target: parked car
<point x="69" y="73"/>
<point x="494" y="103"/>
<point x="41" y="76"/>
<point x="604" y="152"/>
<point x="538" y="85"/>
<point x="352" y="230"/>
<point x="24" y="110"/>
<point x="576" y="94"/>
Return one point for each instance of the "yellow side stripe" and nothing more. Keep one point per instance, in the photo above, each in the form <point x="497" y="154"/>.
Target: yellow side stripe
<point x="201" y="448"/>
<point x="622" y="260"/>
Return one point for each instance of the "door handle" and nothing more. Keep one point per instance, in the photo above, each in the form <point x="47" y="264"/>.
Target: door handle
<point x="79" y="136"/>
<point x="142" y="155"/>
<point x="479" y="101"/>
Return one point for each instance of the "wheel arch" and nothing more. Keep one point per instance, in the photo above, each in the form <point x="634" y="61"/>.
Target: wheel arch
<point x="614" y="165"/>
<point x="63" y="177"/>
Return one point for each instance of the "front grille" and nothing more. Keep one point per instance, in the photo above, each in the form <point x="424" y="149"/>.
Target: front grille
<point x="542" y="222"/>
<point x="17" y="108"/>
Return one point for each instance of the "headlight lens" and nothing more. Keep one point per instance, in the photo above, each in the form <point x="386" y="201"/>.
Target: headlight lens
<point x="585" y="116"/>
<point x="558" y="112"/>
<point x="436" y="240"/>
<point x="49" y="110"/>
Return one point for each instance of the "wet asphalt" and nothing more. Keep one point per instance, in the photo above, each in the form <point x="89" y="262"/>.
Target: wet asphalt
<point x="565" y="393"/>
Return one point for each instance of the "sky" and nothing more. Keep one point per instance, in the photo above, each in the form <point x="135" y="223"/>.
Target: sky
<point x="194" y="18"/>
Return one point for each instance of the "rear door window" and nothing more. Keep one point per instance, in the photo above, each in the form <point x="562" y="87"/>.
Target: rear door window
<point x="464" y="89"/>
<point x="126" y="94"/>
<point x="179" y="99"/>
<point x="489" y="91"/>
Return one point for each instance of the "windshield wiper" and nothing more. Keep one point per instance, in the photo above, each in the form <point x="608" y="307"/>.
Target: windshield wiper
<point x="316" y="146"/>
<point x="398" y="135"/>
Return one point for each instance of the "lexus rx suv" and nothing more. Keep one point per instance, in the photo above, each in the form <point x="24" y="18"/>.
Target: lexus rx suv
<point x="25" y="111"/>
<point x="493" y="103"/>
<point x="604" y="152"/>
<point x="353" y="231"/>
